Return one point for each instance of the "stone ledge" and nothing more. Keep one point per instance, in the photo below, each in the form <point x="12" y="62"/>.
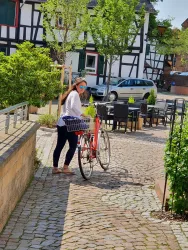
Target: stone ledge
<point x="159" y="189"/>
<point x="14" y="148"/>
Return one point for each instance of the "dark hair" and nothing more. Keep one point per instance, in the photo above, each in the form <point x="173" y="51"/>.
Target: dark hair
<point x="73" y="87"/>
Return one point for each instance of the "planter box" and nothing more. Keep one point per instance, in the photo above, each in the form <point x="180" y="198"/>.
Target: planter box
<point x="139" y="124"/>
<point x="33" y="109"/>
<point x="154" y="120"/>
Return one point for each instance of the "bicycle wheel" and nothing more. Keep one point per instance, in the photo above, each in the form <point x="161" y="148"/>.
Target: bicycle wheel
<point x="103" y="153"/>
<point x="84" y="157"/>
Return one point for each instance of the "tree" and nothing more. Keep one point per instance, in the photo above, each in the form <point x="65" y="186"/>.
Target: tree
<point x="64" y="22"/>
<point x="176" y="44"/>
<point x="153" y="32"/>
<point x="113" y="28"/>
<point x="28" y="75"/>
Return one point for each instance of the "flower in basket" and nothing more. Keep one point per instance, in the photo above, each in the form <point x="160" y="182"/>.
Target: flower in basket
<point x="90" y="110"/>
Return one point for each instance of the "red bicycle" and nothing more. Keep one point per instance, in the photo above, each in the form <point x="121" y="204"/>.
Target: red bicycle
<point x="93" y="144"/>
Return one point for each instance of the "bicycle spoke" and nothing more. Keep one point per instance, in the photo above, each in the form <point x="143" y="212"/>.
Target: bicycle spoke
<point x="104" y="149"/>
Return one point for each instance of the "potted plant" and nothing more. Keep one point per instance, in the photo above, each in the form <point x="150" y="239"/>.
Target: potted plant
<point x="131" y="100"/>
<point x="151" y="101"/>
<point x="152" y="98"/>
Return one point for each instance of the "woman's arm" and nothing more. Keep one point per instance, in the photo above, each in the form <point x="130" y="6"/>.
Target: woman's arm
<point x="76" y="104"/>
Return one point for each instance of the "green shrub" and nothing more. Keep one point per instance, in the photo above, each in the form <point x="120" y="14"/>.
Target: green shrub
<point x="28" y="75"/>
<point x="131" y="99"/>
<point x="176" y="166"/>
<point x="47" y="120"/>
<point x="151" y="99"/>
<point x="90" y="110"/>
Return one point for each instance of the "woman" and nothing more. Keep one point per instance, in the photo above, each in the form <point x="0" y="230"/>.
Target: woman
<point x="71" y="107"/>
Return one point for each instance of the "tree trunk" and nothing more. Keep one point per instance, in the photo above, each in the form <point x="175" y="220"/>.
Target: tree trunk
<point x="109" y="76"/>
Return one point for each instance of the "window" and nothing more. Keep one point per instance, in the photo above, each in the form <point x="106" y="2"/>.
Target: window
<point x="140" y="83"/>
<point x="149" y="83"/>
<point x="91" y="62"/>
<point x="127" y="83"/>
<point x="9" y="12"/>
<point x="4" y="50"/>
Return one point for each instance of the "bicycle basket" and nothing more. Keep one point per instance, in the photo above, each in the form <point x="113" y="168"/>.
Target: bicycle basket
<point x="78" y="124"/>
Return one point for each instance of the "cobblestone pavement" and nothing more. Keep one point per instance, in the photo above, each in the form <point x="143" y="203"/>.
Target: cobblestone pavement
<point x="112" y="211"/>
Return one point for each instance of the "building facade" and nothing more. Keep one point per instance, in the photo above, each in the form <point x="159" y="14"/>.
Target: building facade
<point x="22" y="21"/>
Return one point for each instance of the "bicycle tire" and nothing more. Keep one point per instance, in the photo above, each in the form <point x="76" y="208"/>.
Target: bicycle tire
<point x="103" y="138"/>
<point x="84" y="152"/>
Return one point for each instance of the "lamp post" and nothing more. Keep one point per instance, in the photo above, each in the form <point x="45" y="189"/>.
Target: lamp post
<point x="161" y="29"/>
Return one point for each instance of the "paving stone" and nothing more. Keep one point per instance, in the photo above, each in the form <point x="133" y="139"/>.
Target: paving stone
<point x="111" y="211"/>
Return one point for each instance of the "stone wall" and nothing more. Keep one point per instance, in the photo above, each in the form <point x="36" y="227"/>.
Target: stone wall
<point x="16" y="171"/>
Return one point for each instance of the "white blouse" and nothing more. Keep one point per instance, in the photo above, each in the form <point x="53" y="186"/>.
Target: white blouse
<point x="71" y="107"/>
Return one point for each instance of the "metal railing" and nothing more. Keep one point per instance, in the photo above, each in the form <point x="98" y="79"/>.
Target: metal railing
<point x="12" y="115"/>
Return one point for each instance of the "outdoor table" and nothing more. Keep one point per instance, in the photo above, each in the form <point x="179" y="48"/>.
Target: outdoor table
<point x="156" y="106"/>
<point x="132" y="110"/>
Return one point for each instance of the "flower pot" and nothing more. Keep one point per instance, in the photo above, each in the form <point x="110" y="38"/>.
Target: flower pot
<point x="154" y="120"/>
<point x="33" y="109"/>
<point x="138" y="125"/>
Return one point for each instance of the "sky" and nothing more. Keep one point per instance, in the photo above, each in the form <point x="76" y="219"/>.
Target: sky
<point x="178" y="9"/>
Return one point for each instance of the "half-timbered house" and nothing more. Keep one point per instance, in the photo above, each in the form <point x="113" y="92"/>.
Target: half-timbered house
<point x="21" y="20"/>
<point x="154" y="63"/>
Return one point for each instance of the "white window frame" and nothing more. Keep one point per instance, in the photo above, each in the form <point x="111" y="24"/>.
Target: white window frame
<point x="90" y="69"/>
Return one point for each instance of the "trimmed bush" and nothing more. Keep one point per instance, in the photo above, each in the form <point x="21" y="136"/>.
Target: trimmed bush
<point x="47" y="120"/>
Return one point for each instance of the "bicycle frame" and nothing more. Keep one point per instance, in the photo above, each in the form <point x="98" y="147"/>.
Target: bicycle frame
<point x="94" y="141"/>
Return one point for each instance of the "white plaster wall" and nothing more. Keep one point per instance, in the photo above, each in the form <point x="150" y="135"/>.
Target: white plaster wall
<point x="115" y="68"/>
<point x="142" y="55"/>
<point x="72" y="59"/>
<point x="137" y="41"/>
<point x="12" y="50"/>
<point x="40" y="34"/>
<point x="91" y="80"/>
<point x="26" y="12"/>
<point x="3" y="31"/>
<point x="12" y="32"/>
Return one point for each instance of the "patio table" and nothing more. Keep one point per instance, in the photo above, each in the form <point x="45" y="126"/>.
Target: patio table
<point x="132" y="110"/>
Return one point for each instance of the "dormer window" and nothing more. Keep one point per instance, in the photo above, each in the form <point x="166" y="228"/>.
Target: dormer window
<point x="9" y="12"/>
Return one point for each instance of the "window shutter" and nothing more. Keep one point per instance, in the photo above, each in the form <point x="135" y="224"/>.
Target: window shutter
<point x="7" y="12"/>
<point x="147" y="49"/>
<point x="82" y="58"/>
<point x="3" y="11"/>
<point x="11" y="13"/>
<point x="101" y="65"/>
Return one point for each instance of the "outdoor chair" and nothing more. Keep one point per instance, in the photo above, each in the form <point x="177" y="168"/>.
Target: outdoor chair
<point x="145" y="114"/>
<point x="121" y="116"/>
<point x="170" y="109"/>
<point x="102" y="111"/>
<point x="161" y="113"/>
<point x="180" y="106"/>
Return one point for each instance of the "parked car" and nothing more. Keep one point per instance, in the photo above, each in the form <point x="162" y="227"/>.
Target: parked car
<point x="183" y="74"/>
<point x="100" y="90"/>
<point x="123" y="88"/>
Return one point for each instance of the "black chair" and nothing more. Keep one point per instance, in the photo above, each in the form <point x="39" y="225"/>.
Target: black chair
<point x="102" y="112"/>
<point x="170" y="109"/>
<point x="145" y="114"/>
<point x="161" y="113"/>
<point x="121" y="116"/>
